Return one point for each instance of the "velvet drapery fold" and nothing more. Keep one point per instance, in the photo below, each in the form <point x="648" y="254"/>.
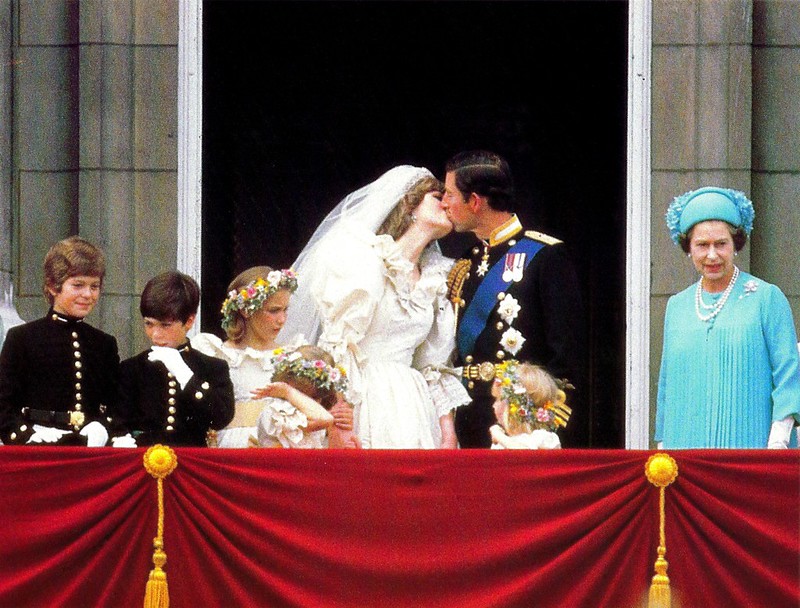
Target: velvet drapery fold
<point x="322" y="528"/>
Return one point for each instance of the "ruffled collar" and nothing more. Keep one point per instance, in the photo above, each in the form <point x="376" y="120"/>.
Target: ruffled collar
<point x="211" y="344"/>
<point x="400" y="272"/>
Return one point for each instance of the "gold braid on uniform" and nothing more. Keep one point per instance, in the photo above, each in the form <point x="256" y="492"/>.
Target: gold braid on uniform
<point x="455" y="282"/>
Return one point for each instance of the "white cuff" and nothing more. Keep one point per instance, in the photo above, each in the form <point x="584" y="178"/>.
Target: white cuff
<point x="780" y="433"/>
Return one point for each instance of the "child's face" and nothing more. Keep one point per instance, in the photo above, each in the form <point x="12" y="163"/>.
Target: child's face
<point x="267" y="322"/>
<point x="77" y="297"/>
<point x="167" y="333"/>
<point x="499" y="405"/>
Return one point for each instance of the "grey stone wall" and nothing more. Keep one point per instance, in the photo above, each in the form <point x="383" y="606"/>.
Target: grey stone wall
<point x="726" y="97"/>
<point x="94" y="132"/>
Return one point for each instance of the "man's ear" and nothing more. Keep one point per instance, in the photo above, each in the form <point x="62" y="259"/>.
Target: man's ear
<point x="189" y="322"/>
<point x="476" y="202"/>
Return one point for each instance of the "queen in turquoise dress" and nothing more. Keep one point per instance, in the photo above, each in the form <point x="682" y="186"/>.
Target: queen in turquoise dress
<point x="730" y="370"/>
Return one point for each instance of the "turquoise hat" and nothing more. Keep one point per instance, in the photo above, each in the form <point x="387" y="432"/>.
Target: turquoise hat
<point x="709" y="203"/>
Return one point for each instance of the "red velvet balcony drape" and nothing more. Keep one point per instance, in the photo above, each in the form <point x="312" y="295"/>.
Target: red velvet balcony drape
<point x="373" y="528"/>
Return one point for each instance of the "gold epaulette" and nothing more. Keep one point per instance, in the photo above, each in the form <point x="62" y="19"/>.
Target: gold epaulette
<point x="455" y="280"/>
<point x="542" y="237"/>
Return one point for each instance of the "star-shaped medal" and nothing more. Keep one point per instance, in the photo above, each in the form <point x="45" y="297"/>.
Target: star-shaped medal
<point x="483" y="268"/>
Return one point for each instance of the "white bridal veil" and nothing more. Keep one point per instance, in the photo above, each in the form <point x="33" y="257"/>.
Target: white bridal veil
<point x="364" y="209"/>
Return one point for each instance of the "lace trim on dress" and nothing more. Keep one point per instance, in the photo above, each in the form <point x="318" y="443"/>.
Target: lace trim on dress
<point x="399" y="272"/>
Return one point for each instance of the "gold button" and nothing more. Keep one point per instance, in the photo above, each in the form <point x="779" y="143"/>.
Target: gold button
<point x="77" y="386"/>
<point x="171" y="410"/>
<point x="54" y="317"/>
<point x="198" y="395"/>
<point x="78" y="365"/>
<point x="76" y="344"/>
<point x="171" y="401"/>
<point x="501" y="354"/>
<point x="466" y="277"/>
<point x="469" y="359"/>
<point x="512" y="242"/>
<point x="499" y="325"/>
<point x="75" y="335"/>
<point x="172" y="391"/>
<point x="169" y="375"/>
<point x="78" y="375"/>
<point x="470" y="384"/>
<point x="77" y="354"/>
<point x="78" y="407"/>
<point x="78" y="396"/>
<point x="169" y="428"/>
<point x="501" y="295"/>
<point x="205" y="386"/>
<point x="475" y="251"/>
<point x="170" y="419"/>
<point x="14" y="435"/>
<point x="173" y="383"/>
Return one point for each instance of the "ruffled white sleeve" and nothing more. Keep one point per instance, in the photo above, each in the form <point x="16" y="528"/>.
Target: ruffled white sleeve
<point x="280" y="424"/>
<point x="434" y="357"/>
<point x="347" y="294"/>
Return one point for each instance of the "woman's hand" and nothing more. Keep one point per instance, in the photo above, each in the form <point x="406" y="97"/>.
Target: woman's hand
<point x="497" y="433"/>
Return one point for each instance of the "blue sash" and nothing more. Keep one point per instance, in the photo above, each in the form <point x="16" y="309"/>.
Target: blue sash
<point x="485" y="299"/>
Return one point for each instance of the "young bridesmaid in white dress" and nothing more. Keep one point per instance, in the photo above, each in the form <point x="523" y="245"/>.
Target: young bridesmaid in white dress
<point x="253" y="315"/>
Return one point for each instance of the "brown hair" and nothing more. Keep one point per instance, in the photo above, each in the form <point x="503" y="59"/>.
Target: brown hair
<point x="738" y="235"/>
<point x="170" y="296"/>
<point x="325" y="397"/>
<point x="235" y="331"/>
<point x="71" y="257"/>
<point x="400" y="218"/>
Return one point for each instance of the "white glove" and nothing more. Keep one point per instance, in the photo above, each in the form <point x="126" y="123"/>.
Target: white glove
<point x="96" y="435"/>
<point x="174" y="363"/>
<point x="780" y="433"/>
<point x="125" y="441"/>
<point x="46" y="434"/>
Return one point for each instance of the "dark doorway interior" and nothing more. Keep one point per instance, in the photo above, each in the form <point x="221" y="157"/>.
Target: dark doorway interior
<point x="306" y="101"/>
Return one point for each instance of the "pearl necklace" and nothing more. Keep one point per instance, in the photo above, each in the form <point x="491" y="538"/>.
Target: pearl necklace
<point x="715" y="308"/>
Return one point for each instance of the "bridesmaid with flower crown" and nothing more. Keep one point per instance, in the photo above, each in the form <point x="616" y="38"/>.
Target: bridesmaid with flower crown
<point x="252" y="316"/>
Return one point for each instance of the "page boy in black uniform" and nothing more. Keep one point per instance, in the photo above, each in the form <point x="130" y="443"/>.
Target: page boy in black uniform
<point x="171" y="393"/>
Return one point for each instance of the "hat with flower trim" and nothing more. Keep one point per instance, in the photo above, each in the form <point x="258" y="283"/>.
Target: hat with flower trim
<point x="709" y="203"/>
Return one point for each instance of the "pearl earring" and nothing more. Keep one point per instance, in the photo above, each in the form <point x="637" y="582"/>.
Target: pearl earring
<point x="413" y="218"/>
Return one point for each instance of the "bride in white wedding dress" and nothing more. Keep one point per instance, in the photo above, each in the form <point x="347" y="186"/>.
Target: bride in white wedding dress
<point x="374" y="295"/>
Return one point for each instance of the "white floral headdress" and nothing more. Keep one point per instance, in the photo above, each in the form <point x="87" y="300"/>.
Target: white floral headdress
<point x="252" y="296"/>
<point x="548" y="416"/>
<point x="323" y="376"/>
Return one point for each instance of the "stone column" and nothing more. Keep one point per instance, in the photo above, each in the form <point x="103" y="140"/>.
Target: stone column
<point x="701" y="129"/>
<point x="776" y="147"/>
<point x="8" y="313"/>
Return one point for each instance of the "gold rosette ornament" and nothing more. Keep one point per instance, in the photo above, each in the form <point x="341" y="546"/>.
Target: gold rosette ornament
<point x="661" y="470"/>
<point x="159" y="461"/>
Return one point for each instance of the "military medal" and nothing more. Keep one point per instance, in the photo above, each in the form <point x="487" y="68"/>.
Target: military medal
<point x="483" y="267"/>
<point x="513" y="267"/>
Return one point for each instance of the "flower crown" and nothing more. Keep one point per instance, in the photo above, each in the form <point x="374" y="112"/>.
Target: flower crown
<point x="320" y="373"/>
<point x="549" y="416"/>
<point x="252" y="296"/>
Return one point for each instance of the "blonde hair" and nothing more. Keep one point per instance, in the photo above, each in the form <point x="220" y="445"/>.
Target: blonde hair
<point x="235" y="331"/>
<point x="541" y="388"/>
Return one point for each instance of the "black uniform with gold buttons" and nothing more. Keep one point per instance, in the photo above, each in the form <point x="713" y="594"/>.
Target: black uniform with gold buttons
<point x="549" y="319"/>
<point x="157" y="410"/>
<point x="60" y="372"/>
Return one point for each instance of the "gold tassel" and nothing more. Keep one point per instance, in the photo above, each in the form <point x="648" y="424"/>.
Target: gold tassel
<point x="159" y="461"/>
<point x="661" y="470"/>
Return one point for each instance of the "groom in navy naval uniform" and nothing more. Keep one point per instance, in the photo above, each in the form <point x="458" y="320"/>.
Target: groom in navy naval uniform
<point x="515" y="291"/>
